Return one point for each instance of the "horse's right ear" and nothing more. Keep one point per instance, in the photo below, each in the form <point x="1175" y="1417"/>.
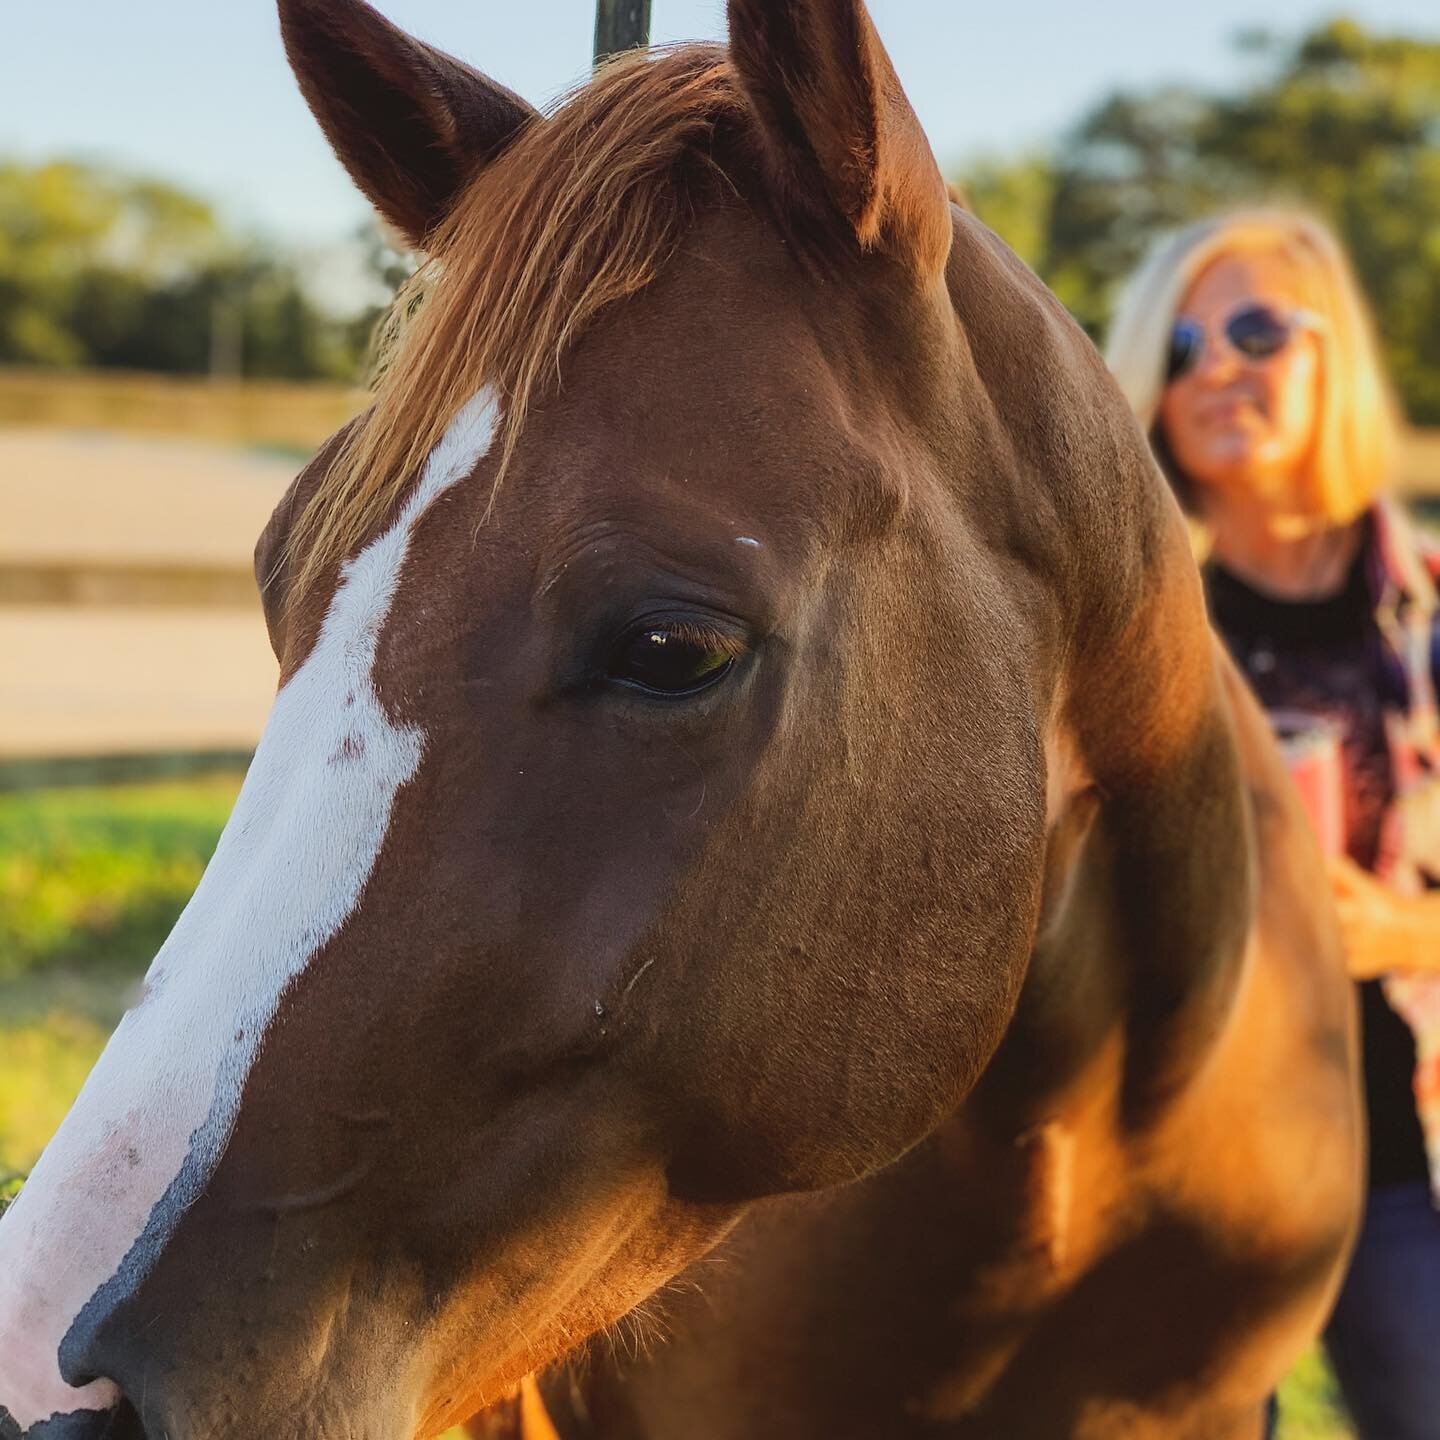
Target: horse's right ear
<point x="411" y="124"/>
<point x="840" y="143"/>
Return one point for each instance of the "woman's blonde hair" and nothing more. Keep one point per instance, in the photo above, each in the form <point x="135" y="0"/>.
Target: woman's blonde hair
<point x="1356" y="427"/>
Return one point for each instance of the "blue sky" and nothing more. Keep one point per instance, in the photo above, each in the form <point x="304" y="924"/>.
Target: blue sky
<point x="197" y="91"/>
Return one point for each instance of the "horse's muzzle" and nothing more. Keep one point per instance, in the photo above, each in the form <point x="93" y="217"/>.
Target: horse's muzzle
<point x="119" y="1424"/>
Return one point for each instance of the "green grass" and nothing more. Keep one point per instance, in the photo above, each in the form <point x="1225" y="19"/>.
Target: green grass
<point x="91" y="881"/>
<point x="96" y="877"/>
<point x="1310" y="1403"/>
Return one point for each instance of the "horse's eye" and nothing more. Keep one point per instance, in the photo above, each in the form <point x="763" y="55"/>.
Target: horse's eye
<point x="675" y="657"/>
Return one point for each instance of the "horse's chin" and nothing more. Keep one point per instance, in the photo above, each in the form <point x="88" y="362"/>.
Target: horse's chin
<point x="122" y="1424"/>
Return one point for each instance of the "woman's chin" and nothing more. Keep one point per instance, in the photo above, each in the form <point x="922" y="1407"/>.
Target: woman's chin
<point x="1246" y="468"/>
<point x="1235" y="475"/>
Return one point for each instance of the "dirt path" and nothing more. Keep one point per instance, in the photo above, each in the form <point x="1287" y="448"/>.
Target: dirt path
<point x="94" y="679"/>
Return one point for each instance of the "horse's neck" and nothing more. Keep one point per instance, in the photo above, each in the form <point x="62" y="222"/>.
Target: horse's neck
<point x="1148" y="909"/>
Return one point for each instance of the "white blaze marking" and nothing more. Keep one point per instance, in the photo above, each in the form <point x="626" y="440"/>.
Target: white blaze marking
<point x="158" y="1109"/>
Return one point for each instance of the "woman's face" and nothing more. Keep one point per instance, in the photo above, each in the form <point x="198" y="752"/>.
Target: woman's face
<point x="1238" y="423"/>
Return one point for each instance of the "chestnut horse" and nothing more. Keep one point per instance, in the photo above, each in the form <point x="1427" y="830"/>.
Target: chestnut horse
<point x="747" y="729"/>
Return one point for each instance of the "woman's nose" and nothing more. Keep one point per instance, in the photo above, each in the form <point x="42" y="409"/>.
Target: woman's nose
<point x="1219" y="363"/>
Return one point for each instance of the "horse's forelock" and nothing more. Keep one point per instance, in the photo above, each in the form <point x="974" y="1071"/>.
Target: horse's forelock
<point x="581" y="212"/>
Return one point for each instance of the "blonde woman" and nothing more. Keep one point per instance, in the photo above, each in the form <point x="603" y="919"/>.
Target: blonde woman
<point x="1244" y="348"/>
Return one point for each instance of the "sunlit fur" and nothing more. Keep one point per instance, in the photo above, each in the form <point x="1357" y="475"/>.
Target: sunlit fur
<point x="582" y="210"/>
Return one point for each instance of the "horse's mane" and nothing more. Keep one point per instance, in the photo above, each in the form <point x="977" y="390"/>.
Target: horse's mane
<point x="582" y="210"/>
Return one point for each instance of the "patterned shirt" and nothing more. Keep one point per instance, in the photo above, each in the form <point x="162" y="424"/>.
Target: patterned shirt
<point x="1400" y="571"/>
<point x="1324" y="658"/>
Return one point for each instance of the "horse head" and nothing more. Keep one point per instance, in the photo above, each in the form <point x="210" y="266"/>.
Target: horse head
<point x="659" y="804"/>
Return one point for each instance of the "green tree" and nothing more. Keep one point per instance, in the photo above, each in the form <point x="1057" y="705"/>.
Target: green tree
<point x="103" y="269"/>
<point x="1343" y="121"/>
<point x="60" y="223"/>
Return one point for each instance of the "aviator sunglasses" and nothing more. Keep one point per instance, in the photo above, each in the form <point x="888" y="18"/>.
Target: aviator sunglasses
<point x="1254" y="330"/>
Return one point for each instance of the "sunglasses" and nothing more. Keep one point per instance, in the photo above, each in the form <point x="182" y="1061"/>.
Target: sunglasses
<point x="1254" y="331"/>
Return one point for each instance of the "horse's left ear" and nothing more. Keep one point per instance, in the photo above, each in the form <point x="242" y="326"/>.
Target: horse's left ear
<point x="842" y="144"/>
<point x="410" y="123"/>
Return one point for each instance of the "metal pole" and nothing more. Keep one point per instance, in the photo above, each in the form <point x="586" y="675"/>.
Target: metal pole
<point x="620" y="25"/>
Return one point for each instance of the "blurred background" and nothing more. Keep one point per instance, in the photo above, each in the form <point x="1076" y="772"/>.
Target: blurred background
<point x="188" y="285"/>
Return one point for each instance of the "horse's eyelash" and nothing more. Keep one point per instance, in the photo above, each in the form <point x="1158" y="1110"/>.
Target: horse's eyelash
<point x="707" y="637"/>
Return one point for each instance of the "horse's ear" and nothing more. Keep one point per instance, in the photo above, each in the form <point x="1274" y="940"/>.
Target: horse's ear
<point x="840" y="139"/>
<point x="411" y="124"/>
